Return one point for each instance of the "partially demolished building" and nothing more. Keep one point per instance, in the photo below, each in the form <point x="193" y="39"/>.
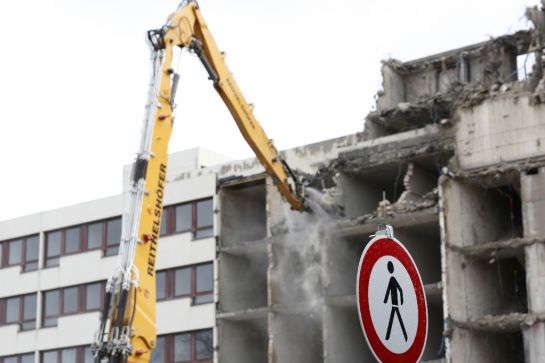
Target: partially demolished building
<point x="453" y="158"/>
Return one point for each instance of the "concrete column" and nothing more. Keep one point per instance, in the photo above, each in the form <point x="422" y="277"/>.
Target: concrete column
<point x="473" y="215"/>
<point x="533" y="210"/>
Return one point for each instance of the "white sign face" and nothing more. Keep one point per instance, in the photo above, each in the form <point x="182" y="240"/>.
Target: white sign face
<point x="392" y="303"/>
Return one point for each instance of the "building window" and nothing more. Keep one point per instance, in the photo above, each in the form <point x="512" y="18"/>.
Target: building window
<point x="19" y="310"/>
<point x="68" y="355"/>
<point x="195" y="217"/>
<point x="196" y="281"/>
<point x="113" y="237"/>
<point x="204" y="216"/>
<point x="71" y="300"/>
<point x="20" y="358"/>
<point x="104" y="235"/>
<point x="53" y="248"/>
<point x="67" y="241"/>
<point x="21" y="251"/>
<point x="191" y="347"/>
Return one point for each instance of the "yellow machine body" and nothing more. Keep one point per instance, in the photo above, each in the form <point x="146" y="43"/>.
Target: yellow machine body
<point x="136" y="310"/>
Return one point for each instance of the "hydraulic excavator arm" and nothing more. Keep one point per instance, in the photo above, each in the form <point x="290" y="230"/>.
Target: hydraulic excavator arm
<point x="187" y="29"/>
<point x="127" y="331"/>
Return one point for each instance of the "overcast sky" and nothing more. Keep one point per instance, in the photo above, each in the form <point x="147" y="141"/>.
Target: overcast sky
<point x="74" y="75"/>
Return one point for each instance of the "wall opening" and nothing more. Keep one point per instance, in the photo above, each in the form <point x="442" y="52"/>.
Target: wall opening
<point x="296" y="274"/>
<point x="424" y="244"/>
<point x="342" y="257"/>
<point x="243" y="281"/>
<point x="482" y="212"/>
<point x="495" y="286"/>
<point x="525" y="65"/>
<point x="489" y="347"/>
<point x="243" y="341"/>
<point x="243" y="213"/>
<point x="345" y="341"/>
<point x="402" y="183"/>
<point x="297" y="338"/>
<point x="363" y="190"/>
<point x="435" y="344"/>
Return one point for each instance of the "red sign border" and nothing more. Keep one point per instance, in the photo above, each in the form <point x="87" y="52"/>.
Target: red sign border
<point x="378" y="247"/>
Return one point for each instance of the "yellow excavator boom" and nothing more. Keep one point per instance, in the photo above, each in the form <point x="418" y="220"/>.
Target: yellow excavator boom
<point x="187" y="29"/>
<point x="127" y="331"/>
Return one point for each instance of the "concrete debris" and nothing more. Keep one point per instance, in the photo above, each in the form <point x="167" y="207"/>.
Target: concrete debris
<point x="498" y="171"/>
<point x="491" y="249"/>
<point x="427" y="200"/>
<point x="431" y="141"/>
<point x="519" y="41"/>
<point x="472" y="94"/>
<point x="407" y="116"/>
<point x="500" y="323"/>
<point x="417" y="182"/>
<point x="537" y="17"/>
<point x="387" y="209"/>
<point x="539" y="93"/>
<point x="324" y="201"/>
<point x="427" y="90"/>
<point x="453" y="158"/>
<point x="384" y="208"/>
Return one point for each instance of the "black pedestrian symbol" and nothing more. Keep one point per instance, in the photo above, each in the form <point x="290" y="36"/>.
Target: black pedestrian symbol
<point x="391" y="292"/>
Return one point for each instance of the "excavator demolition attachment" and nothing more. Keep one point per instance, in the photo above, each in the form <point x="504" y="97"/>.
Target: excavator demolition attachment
<point x="127" y="331"/>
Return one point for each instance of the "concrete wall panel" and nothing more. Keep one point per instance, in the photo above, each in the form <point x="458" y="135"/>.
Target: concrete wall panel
<point x="179" y="314"/>
<point x="500" y="130"/>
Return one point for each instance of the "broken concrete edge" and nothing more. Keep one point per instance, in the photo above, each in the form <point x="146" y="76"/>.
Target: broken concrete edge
<point x="431" y="141"/>
<point x="497" y="323"/>
<point x="398" y="109"/>
<point x="356" y="160"/>
<point x="376" y="153"/>
<point x="490" y="249"/>
<point x="440" y="108"/>
<point x="261" y="312"/>
<point x="240" y="180"/>
<point x="497" y="171"/>
<point x="395" y="214"/>
<point x="519" y="40"/>
<point x="433" y="289"/>
<point x="365" y="227"/>
<point x="245" y="247"/>
<point x="248" y="314"/>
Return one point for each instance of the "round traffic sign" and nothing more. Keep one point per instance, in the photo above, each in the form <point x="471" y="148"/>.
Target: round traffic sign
<point x="391" y="302"/>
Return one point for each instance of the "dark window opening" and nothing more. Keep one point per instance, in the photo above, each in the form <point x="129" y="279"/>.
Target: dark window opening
<point x="190" y="347"/>
<point x="20" y="358"/>
<point x="104" y="235"/>
<point x="196" y="217"/>
<point x="21" y="251"/>
<point x="113" y="236"/>
<point x="71" y="300"/>
<point x="80" y="354"/>
<point x="19" y="310"/>
<point x="512" y="202"/>
<point x="196" y="281"/>
<point x="525" y="65"/>
<point x="94" y="235"/>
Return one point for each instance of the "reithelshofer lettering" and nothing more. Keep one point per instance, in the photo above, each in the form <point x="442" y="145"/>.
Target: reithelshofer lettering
<point x="157" y="212"/>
